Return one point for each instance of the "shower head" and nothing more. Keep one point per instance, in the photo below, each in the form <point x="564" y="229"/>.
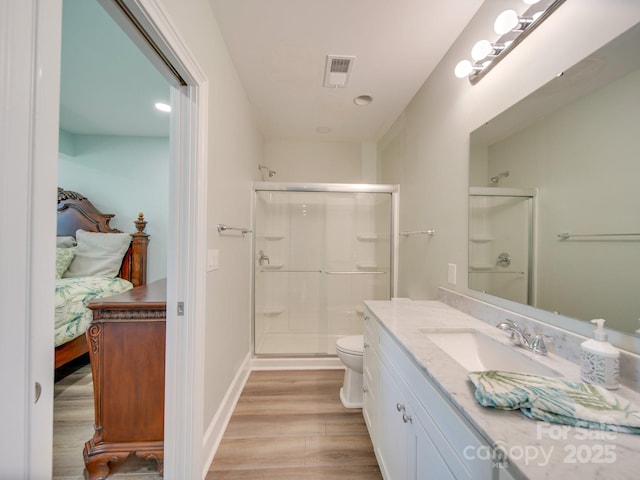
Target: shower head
<point x="496" y="179"/>
<point x="269" y="171"/>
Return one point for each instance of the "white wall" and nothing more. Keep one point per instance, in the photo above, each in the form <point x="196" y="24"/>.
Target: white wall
<point x="234" y="150"/>
<point x="321" y="162"/>
<point x="427" y="150"/>
<point x="123" y="176"/>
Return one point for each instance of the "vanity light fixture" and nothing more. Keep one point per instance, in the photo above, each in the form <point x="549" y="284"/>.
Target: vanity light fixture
<point x="512" y="29"/>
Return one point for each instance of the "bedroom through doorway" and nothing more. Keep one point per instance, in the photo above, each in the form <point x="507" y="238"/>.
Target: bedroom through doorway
<point x="114" y="149"/>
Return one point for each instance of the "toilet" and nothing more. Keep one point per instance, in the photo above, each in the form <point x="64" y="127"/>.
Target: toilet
<point x="350" y="350"/>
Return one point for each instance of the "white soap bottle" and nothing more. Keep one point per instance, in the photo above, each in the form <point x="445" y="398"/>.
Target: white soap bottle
<point x="600" y="361"/>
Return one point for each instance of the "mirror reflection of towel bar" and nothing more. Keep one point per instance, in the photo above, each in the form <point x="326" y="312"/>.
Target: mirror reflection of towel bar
<point x="566" y="235"/>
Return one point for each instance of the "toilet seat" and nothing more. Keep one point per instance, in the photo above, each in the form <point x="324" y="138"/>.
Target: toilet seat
<point x="351" y="344"/>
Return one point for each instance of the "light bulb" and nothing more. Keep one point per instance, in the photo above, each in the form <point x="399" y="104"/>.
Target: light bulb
<point x="506" y="21"/>
<point x="530" y="2"/>
<point x="481" y="50"/>
<point x="463" y="69"/>
<point x="163" y="107"/>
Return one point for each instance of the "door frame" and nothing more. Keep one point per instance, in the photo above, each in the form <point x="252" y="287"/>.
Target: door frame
<point x="186" y="243"/>
<point x="32" y="30"/>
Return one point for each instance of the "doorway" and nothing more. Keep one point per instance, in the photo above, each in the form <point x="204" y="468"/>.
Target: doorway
<point x="34" y="27"/>
<point x="111" y="137"/>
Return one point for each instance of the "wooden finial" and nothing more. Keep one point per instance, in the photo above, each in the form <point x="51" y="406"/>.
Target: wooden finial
<point x="140" y="223"/>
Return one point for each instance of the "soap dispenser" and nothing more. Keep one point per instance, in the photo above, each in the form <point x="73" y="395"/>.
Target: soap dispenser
<point x="600" y="361"/>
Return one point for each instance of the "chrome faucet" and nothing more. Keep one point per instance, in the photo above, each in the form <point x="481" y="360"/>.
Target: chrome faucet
<point x="262" y="258"/>
<point x="522" y="338"/>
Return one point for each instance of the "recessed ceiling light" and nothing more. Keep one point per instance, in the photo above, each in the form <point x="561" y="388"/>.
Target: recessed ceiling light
<point x="363" y="100"/>
<point x="163" y="107"/>
<point x="323" y="130"/>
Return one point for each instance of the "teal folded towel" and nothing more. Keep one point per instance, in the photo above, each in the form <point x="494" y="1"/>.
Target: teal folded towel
<point x="556" y="400"/>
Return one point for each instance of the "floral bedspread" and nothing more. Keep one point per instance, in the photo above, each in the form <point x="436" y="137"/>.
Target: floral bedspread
<point x="72" y="295"/>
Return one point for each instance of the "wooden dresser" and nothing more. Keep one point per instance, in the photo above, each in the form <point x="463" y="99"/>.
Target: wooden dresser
<point x="127" y="349"/>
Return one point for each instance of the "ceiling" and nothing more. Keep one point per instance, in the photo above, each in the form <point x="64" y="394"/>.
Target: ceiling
<point x="279" y="49"/>
<point x="107" y="86"/>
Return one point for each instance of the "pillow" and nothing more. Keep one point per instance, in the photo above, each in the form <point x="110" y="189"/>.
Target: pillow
<point x="98" y="254"/>
<point x="65" y="242"/>
<point x="64" y="257"/>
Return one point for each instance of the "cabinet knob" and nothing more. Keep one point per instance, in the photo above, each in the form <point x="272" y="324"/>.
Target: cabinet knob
<point x="400" y="407"/>
<point x="365" y="390"/>
<point x="407" y="418"/>
<point x="366" y="345"/>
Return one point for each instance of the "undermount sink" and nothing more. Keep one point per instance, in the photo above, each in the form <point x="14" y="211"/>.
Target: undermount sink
<point x="476" y="351"/>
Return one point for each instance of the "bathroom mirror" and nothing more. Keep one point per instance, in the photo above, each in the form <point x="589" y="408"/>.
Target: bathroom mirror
<point x="573" y="146"/>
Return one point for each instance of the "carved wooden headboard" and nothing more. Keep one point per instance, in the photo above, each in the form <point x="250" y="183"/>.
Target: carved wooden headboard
<point x="76" y="212"/>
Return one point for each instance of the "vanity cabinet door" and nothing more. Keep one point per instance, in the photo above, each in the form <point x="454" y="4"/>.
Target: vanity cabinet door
<point x="424" y="461"/>
<point x="405" y="449"/>
<point x="393" y="437"/>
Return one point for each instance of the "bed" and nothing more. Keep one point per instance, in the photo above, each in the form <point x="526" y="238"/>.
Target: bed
<point x="93" y="260"/>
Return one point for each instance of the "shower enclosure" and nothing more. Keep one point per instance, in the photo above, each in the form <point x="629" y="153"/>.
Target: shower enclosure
<point x="319" y="251"/>
<point x="501" y="242"/>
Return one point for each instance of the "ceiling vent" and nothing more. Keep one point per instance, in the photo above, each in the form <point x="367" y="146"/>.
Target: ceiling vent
<point x="338" y="70"/>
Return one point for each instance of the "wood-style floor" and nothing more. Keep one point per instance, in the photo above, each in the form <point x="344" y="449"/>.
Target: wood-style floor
<point x="287" y="425"/>
<point x="291" y="425"/>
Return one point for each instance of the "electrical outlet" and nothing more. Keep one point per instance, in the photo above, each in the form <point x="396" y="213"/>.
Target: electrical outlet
<point x="451" y="274"/>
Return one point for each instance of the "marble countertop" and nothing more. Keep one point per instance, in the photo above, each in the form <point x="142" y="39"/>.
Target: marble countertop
<point x="536" y="450"/>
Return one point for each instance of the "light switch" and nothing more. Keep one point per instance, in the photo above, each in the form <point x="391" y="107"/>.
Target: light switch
<point x="213" y="259"/>
<point x="451" y="274"/>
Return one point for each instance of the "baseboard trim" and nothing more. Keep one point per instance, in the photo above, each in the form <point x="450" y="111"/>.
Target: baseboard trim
<point x="310" y="363"/>
<point x="215" y="430"/>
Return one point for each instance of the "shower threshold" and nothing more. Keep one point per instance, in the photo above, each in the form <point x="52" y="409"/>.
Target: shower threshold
<point x="296" y="345"/>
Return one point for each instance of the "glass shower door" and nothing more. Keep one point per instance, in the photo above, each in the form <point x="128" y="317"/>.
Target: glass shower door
<point x="318" y="256"/>
<point x="500" y="245"/>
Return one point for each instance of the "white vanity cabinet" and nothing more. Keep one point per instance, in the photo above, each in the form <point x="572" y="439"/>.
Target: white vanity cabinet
<point x="405" y="450"/>
<point x="416" y="432"/>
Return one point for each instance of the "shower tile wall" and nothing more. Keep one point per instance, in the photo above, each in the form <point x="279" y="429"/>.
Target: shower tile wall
<point x="326" y="252"/>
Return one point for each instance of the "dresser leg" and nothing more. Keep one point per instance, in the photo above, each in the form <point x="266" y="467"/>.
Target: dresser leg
<point x="157" y="456"/>
<point x="97" y="460"/>
<point x="95" y="470"/>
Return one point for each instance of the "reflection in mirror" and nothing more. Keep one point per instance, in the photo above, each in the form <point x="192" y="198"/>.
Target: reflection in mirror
<point x="501" y="242"/>
<point x="575" y="143"/>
